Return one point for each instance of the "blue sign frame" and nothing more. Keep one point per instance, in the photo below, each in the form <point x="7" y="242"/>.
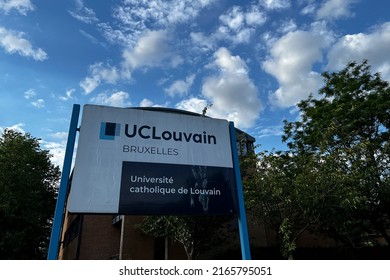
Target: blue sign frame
<point x="63" y="189"/>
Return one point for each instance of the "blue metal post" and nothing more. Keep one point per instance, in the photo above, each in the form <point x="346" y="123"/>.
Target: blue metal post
<point x="242" y="224"/>
<point x="59" y="211"/>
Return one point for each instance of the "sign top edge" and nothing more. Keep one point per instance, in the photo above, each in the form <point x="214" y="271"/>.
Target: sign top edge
<point x="162" y="110"/>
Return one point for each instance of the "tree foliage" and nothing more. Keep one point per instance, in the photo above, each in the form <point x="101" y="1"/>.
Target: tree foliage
<point x="28" y="187"/>
<point x="195" y="233"/>
<point x="350" y="123"/>
<point x="334" y="178"/>
<point x="289" y="193"/>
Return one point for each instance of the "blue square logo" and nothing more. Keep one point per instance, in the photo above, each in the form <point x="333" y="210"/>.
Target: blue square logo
<point x="109" y="130"/>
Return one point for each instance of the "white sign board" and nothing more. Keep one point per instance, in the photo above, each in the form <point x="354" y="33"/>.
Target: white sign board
<point x="133" y="155"/>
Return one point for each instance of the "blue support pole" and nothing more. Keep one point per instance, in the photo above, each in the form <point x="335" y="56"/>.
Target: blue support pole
<point x="242" y="224"/>
<point x="55" y="237"/>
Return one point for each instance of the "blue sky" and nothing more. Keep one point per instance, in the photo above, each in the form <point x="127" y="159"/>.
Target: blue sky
<point x="252" y="60"/>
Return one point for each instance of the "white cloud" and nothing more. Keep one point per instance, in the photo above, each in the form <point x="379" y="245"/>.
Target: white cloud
<point x="290" y="62"/>
<point x="16" y="127"/>
<point x="118" y="36"/>
<point x="148" y="103"/>
<point x="93" y="39"/>
<point x="57" y="147"/>
<point x="56" y="150"/>
<point x="138" y="13"/>
<point x="254" y="16"/>
<point x="241" y="36"/>
<point x="180" y="87"/>
<point x="68" y="95"/>
<point x="287" y="26"/>
<point x="232" y="93"/>
<point x="134" y="18"/>
<point x="89" y="84"/>
<point x="39" y="103"/>
<point x="309" y="9"/>
<point x="291" y="93"/>
<point x="99" y="73"/>
<point x="234" y="18"/>
<point x="13" y="42"/>
<point x="22" y="6"/>
<point x="117" y="99"/>
<point x="238" y="24"/>
<point x="334" y="9"/>
<point x="193" y="104"/>
<point x="60" y="135"/>
<point x="275" y="4"/>
<point x="82" y="13"/>
<point x="372" y="46"/>
<point x="275" y="130"/>
<point x="29" y="94"/>
<point x="151" y="50"/>
<point x="202" y="41"/>
<point x="228" y="63"/>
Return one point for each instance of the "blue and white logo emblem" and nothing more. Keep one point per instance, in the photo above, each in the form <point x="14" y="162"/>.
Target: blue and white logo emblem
<point x="109" y="130"/>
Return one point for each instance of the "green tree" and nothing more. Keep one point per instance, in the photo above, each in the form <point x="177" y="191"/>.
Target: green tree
<point x="195" y="233"/>
<point x="28" y="188"/>
<point x="334" y="178"/>
<point x="289" y="193"/>
<point x="349" y="125"/>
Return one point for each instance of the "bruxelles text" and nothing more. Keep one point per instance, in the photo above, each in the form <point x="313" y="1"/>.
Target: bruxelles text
<point x="150" y="150"/>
